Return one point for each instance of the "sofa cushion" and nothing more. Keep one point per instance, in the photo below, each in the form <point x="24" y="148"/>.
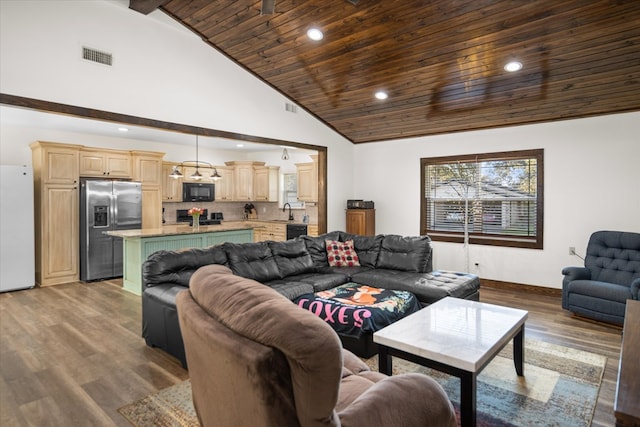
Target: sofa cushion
<point x="428" y="287"/>
<point x="253" y="261"/>
<point x="292" y="257"/>
<point x="600" y="290"/>
<point x="176" y="267"/>
<point x="367" y="248"/>
<point x="405" y="253"/>
<point x="317" y="247"/>
<point x="598" y="300"/>
<point x="341" y="254"/>
<point x="290" y="288"/>
<point x="320" y="282"/>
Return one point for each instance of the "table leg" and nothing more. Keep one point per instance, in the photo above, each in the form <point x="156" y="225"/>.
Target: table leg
<point x="468" y="399"/>
<point x="384" y="360"/>
<point x="518" y="352"/>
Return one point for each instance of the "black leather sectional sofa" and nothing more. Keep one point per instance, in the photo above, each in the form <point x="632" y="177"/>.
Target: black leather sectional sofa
<point x="293" y="268"/>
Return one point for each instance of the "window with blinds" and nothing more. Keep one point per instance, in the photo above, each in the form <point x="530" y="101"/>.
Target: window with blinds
<point x="489" y="198"/>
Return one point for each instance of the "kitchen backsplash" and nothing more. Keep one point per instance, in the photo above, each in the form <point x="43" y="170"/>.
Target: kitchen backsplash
<point x="233" y="211"/>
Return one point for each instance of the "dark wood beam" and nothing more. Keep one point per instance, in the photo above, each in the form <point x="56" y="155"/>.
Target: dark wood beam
<point x="146" y="6"/>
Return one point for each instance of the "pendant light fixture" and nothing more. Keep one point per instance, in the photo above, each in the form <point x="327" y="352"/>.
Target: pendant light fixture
<point x="215" y="175"/>
<point x="285" y="154"/>
<point x="196" y="175"/>
<point x="177" y="171"/>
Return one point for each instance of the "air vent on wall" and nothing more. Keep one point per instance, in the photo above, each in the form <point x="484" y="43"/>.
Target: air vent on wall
<point x="97" y="56"/>
<point x="292" y="108"/>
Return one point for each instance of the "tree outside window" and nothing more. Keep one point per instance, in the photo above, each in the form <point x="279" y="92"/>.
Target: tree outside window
<point x="489" y="198"/>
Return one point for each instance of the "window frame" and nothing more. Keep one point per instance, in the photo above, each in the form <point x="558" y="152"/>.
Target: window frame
<point x="479" y="238"/>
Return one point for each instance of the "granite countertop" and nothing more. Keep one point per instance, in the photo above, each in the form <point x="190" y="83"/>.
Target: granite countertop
<point x="173" y="230"/>
<point x="278" y="221"/>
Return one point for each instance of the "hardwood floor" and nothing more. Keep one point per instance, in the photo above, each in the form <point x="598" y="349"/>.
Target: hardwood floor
<point x="72" y="354"/>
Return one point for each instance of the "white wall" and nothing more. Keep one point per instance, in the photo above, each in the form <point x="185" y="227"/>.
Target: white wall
<point x="160" y="71"/>
<point x="164" y="72"/>
<point x="591" y="183"/>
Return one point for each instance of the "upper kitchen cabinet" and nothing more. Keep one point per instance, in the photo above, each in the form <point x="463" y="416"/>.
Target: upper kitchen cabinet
<point x="224" y="186"/>
<point x="147" y="167"/>
<point x="243" y="174"/>
<point x="171" y="187"/>
<point x="308" y="180"/>
<point x="105" y="163"/>
<point x="265" y="183"/>
<point x="57" y="163"/>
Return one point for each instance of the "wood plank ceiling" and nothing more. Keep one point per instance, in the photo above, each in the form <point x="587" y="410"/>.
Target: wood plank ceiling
<point x="440" y="61"/>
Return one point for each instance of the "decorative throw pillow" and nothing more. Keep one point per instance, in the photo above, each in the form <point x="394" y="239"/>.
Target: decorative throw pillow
<point x="341" y="254"/>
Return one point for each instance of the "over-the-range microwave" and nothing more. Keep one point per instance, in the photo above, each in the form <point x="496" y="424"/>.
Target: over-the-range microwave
<point x="198" y="192"/>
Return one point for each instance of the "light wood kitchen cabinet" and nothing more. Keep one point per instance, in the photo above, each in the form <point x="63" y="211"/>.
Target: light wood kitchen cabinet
<point x="308" y="180"/>
<point x="55" y="163"/>
<point x="224" y="186"/>
<point x="270" y="231"/>
<point x="243" y="173"/>
<point x="105" y="163"/>
<point x="148" y="171"/>
<point x="151" y="207"/>
<point x="171" y="187"/>
<point x="56" y="204"/>
<point x="59" y="225"/>
<point x="56" y="170"/>
<point x="312" y="230"/>
<point x="265" y="183"/>
<point x="361" y="221"/>
<point x="147" y="167"/>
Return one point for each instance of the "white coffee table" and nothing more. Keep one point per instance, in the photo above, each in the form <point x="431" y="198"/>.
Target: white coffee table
<point x="455" y="336"/>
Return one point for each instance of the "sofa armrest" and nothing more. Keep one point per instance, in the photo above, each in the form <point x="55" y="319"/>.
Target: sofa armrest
<point x="635" y="289"/>
<point x="571" y="274"/>
<point x="576" y="273"/>
<point x="407" y="399"/>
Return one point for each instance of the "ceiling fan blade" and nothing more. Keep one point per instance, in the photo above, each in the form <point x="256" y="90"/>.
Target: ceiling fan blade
<point x="268" y="7"/>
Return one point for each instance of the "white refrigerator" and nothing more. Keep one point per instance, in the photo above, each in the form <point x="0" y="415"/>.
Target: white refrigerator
<point x="17" y="251"/>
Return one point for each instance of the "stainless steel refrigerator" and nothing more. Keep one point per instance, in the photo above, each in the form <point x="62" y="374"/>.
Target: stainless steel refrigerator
<point x="106" y="206"/>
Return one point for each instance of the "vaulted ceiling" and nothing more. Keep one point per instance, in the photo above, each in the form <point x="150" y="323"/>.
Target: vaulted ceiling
<point x="440" y="61"/>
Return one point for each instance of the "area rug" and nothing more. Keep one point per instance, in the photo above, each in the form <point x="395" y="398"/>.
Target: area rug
<point x="560" y="388"/>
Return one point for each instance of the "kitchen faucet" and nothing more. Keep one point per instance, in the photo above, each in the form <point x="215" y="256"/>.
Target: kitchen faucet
<point x="290" y="214"/>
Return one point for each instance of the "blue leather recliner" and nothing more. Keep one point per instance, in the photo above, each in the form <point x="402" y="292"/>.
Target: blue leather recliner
<point x="610" y="276"/>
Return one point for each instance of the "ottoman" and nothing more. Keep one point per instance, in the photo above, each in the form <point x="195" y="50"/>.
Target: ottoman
<point x="355" y="311"/>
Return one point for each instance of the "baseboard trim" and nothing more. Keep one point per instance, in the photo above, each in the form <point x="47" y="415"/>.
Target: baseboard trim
<point x="539" y="290"/>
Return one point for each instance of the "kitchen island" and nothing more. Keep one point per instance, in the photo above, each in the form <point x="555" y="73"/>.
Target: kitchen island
<point x="139" y="244"/>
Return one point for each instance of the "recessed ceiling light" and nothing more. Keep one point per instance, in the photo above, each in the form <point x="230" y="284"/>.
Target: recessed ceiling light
<point x="315" y="34"/>
<point x="123" y="129"/>
<point x="513" y="66"/>
<point x="381" y="95"/>
<point x="239" y="145"/>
